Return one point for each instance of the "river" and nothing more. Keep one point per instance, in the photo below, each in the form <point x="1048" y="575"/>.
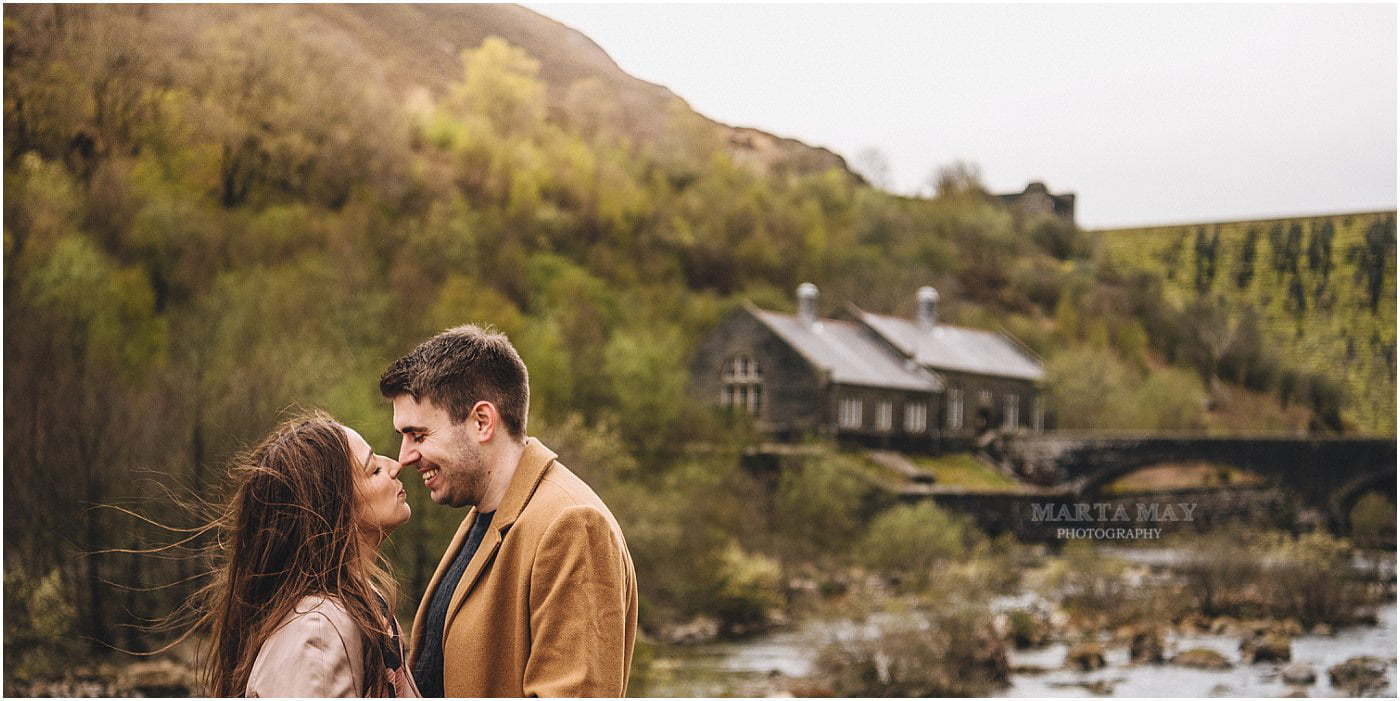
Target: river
<point x="774" y="663"/>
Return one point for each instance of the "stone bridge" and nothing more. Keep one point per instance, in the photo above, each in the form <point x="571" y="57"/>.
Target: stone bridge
<point x="1327" y="473"/>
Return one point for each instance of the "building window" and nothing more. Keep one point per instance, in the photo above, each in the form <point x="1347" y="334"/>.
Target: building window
<point x="955" y="408"/>
<point x="850" y="410"/>
<point x="915" y="417"/>
<point x="884" y="416"/>
<point x="1011" y="412"/>
<point x="743" y="384"/>
<point x="1038" y="414"/>
<point x="984" y="399"/>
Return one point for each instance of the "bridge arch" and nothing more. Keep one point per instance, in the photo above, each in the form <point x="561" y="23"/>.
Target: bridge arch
<point x="1344" y="499"/>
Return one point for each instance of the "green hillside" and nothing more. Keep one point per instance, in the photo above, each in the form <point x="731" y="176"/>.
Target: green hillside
<point x="1321" y="290"/>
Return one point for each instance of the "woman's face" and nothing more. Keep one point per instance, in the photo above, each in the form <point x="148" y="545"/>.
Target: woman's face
<point x="383" y="506"/>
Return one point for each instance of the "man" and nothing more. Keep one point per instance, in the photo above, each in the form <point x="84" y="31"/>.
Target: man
<point x="536" y="595"/>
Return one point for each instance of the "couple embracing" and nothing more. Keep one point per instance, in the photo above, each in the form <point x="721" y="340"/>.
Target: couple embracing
<point x="536" y="595"/>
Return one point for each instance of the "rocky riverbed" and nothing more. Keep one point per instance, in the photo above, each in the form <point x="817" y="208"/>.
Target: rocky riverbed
<point x="1048" y="655"/>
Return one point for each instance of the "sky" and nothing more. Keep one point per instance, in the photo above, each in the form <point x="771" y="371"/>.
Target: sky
<point x="1151" y="114"/>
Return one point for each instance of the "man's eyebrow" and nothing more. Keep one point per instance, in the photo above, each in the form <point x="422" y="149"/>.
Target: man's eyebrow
<point x="412" y="429"/>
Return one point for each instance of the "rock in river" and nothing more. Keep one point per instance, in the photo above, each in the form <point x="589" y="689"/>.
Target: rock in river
<point x="1358" y="675"/>
<point x="1268" y="647"/>
<point x="1298" y="673"/>
<point x="1202" y="658"/>
<point x="1085" y="657"/>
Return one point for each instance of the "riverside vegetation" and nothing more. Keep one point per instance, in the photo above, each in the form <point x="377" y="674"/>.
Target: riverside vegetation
<point x="205" y="226"/>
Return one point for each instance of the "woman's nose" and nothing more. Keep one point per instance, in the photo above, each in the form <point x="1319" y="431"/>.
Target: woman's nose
<point x="394" y="468"/>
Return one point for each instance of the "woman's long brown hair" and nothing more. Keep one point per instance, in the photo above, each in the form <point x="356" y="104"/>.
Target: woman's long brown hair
<point x="289" y="530"/>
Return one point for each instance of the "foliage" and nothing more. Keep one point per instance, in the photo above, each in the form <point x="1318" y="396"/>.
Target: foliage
<point x="947" y="652"/>
<point x="1092" y="388"/>
<point x="1311" y="297"/>
<point x="817" y="508"/>
<point x="1277" y="575"/>
<point x="912" y="540"/>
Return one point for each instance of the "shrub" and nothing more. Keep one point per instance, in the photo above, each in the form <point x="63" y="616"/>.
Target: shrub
<point x="817" y="506"/>
<point x="752" y="586"/>
<point x="910" y="540"/>
<point x="949" y="652"/>
<point x="41" y="625"/>
<point x="1308" y="577"/>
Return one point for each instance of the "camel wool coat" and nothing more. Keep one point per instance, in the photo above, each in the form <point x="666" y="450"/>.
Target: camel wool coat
<point x="548" y="604"/>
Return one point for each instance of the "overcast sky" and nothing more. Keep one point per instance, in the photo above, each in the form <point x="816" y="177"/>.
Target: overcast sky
<point x="1150" y="113"/>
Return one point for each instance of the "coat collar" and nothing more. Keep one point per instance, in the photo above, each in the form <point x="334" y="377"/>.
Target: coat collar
<point x="533" y="463"/>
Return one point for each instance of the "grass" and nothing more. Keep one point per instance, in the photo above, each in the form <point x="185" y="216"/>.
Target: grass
<point x="966" y="471"/>
<point x="1181" y="476"/>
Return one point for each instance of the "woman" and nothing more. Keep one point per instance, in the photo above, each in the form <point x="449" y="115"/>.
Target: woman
<point x="300" y="604"/>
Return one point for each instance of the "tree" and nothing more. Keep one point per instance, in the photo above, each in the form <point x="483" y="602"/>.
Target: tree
<point x="957" y="180"/>
<point x="502" y="83"/>
<point x="1244" y="262"/>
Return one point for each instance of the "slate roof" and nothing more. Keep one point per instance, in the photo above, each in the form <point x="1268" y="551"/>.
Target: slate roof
<point x="849" y="353"/>
<point x="955" y="348"/>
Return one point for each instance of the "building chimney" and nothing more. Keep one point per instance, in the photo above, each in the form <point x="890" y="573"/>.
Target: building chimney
<point x="928" y="307"/>
<point x="807" y="303"/>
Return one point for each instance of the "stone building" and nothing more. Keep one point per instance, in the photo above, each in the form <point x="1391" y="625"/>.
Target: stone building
<point x="1036" y="199"/>
<point x="868" y="378"/>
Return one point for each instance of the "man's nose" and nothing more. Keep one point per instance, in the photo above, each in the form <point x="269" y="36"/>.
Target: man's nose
<point x="407" y="453"/>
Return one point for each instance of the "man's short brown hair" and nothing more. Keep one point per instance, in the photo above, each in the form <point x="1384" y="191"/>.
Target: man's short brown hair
<point x="460" y="367"/>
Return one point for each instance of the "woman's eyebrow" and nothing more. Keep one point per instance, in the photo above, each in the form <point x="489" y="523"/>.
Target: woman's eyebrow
<point x="369" y="460"/>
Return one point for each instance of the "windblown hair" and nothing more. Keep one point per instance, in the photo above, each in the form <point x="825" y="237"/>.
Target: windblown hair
<point x="288" y="531"/>
<point x="460" y="367"/>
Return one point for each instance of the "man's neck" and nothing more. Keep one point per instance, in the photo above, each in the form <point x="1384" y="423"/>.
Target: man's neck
<point x="504" y="464"/>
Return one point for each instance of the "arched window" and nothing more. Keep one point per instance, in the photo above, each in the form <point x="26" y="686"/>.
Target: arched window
<point x="742" y="380"/>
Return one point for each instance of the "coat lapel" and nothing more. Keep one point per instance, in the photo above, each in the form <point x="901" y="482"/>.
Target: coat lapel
<point x="534" y="462"/>
<point x="420" y="618"/>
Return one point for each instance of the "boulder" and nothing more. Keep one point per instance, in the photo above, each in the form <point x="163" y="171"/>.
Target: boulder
<point x="700" y="629"/>
<point x="1085" y="657"/>
<point x="1358" y="675"/>
<point x="1268" y="647"/>
<point x="1323" y="629"/>
<point x="1146" y="647"/>
<point x="1202" y="658"/>
<point x="1298" y="673"/>
<point x="1224" y="625"/>
<point x="157" y="678"/>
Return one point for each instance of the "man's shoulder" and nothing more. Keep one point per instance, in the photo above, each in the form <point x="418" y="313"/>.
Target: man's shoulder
<point x="560" y="491"/>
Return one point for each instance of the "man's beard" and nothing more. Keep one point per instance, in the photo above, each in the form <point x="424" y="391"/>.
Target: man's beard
<point x="468" y="478"/>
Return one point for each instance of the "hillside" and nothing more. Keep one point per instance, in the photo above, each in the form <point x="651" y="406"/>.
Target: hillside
<point x="1321" y="288"/>
<point x="414" y="48"/>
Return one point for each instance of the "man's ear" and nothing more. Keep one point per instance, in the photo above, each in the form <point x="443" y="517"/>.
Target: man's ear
<point x="483" y="421"/>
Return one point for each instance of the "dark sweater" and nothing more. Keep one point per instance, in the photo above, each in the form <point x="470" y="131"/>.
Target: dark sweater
<point x="427" y="668"/>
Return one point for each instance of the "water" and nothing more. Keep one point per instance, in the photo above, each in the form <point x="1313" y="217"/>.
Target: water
<point x="769" y="664"/>
<point x="1319" y="652"/>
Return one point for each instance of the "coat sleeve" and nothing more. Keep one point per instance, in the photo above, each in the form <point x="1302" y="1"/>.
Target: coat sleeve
<point x="307" y="657"/>
<point x="581" y="587"/>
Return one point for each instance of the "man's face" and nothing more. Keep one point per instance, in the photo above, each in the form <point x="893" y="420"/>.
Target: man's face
<point x="451" y="463"/>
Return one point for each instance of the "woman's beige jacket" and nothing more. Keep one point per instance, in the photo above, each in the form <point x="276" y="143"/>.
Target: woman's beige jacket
<point x="317" y="652"/>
